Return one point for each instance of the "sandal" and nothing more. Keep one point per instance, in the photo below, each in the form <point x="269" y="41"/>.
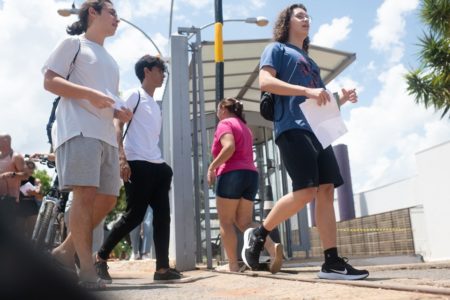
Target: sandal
<point x="92" y="285"/>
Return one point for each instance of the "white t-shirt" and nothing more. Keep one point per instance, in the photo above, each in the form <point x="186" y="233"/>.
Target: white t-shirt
<point x="95" y="68"/>
<point x="141" y="141"/>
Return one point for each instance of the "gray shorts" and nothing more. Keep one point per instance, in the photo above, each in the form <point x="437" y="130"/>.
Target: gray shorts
<point x="84" y="161"/>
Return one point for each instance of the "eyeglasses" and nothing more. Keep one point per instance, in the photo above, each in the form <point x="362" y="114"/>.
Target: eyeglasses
<point x="303" y="17"/>
<point x="113" y="13"/>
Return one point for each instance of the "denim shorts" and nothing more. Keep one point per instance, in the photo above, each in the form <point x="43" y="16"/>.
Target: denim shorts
<point x="238" y="184"/>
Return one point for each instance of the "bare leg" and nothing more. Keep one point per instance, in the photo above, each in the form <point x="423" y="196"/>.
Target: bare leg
<point x="244" y="220"/>
<point x="102" y="205"/>
<point x="226" y="208"/>
<point x="325" y="216"/>
<point x="287" y="206"/>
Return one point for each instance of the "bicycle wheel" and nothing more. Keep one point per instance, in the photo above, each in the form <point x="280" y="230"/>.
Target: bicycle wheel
<point x="57" y="235"/>
<point x="44" y="223"/>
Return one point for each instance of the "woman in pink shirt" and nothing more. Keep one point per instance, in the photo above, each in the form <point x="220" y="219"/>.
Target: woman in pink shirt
<point x="237" y="180"/>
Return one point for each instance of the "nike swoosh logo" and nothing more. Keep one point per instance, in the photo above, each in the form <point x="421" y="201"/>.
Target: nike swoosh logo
<point x="340" y="272"/>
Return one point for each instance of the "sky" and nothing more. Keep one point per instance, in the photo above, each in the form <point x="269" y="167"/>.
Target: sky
<point x="386" y="127"/>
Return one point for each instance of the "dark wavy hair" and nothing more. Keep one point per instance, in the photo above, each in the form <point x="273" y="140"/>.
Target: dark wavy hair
<point x="234" y="106"/>
<point x="81" y="25"/>
<point x="148" y="61"/>
<point x="281" y="28"/>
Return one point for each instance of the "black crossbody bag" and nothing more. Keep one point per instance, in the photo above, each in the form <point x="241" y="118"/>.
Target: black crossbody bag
<point x="267" y="101"/>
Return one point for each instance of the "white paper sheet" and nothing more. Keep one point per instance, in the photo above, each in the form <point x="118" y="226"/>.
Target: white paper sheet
<point x="118" y="102"/>
<point x="325" y="121"/>
<point x="27" y="187"/>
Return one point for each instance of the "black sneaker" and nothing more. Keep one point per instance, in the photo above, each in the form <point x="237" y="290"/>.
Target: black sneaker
<point x="170" y="276"/>
<point x="252" y="249"/>
<point x="176" y="271"/>
<point x="341" y="270"/>
<point x="102" y="271"/>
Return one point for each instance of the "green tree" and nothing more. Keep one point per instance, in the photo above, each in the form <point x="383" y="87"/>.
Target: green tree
<point x="430" y="83"/>
<point x="45" y="180"/>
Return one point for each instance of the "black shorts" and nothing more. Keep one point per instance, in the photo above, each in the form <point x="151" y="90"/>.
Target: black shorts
<point x="28" y="207"/>
<point x="307" y="163"/>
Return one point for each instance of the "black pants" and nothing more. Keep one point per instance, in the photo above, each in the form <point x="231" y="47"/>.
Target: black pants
<point x="150" y="185"/>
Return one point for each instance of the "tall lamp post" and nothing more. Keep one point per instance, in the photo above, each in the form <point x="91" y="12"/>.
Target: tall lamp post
<point x="198" y="91"/>
<point x="65" y="12"/>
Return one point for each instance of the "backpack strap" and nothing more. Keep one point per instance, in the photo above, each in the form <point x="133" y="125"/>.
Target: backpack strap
<point x="134" y="110"/>
<point x="72" y="64"/>
<point x="52" y="117"/>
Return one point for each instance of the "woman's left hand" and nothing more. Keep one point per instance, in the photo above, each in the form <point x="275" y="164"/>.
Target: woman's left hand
<point x="348" y="95"/>
<point x="211" y="177"/>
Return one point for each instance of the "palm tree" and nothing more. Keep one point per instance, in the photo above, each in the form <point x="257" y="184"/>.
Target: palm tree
<point x="430" y="83"/>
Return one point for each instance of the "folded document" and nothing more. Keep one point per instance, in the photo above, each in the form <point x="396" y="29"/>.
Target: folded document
<point x="325" y="121"/>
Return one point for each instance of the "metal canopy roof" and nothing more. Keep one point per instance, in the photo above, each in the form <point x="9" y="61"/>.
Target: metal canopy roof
<point x="241" y="64"/>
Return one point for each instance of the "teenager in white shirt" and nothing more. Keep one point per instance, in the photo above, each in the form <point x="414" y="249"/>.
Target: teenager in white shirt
<point x="86" y="148"/>
<point x="146" y="176"/>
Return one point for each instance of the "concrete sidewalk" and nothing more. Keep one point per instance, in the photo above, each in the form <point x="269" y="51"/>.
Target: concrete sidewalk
<point x="134" y="280"/>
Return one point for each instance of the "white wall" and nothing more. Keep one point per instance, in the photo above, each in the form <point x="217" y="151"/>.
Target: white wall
<point x="433" y="186"/>
<point x="428" y="193"/>
<point x="397" y="195"/>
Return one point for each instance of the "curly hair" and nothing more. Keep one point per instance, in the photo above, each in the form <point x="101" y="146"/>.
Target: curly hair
<point x="281" y="28"/>
<point x="234" y="106"/>
<point x="81" y="25"/>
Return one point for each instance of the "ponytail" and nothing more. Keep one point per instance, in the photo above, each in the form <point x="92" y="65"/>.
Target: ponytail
<point x="235" y="107"/>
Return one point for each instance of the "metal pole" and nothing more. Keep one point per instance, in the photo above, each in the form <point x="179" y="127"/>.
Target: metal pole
<point x="218" y="51"/>
<point x="195" y="154"/>
<point x="204" y="151"/>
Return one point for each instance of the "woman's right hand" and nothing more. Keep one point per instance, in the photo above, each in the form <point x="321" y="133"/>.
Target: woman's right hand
<point x="319" y="94"/>
<point x="211" y="177"/>
<point x="101" y="100"/>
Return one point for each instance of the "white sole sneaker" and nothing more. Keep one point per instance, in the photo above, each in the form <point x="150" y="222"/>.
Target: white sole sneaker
<point x="246" y="246"/>
<point x="337" y="276"/>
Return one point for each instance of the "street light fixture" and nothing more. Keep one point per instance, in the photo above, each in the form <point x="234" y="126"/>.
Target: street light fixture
<point x="259" y="21"/>
<point x="65" y="12"/>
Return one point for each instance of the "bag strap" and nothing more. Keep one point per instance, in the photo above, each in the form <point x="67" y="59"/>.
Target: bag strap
<point x="134" y="110"/>
<point x="52" y="117"/>
<point x="72" y="64"/>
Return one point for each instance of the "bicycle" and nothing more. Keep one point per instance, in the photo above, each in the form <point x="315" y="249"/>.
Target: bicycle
<point x="50" y="229"/>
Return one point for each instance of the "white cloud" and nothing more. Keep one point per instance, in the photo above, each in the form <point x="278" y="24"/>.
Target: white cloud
<point x="344" y="82"/>
<point x="198" y="3"/>
<point x="384" y="137"/>
<point x="371" y="66"/>
<point x="258" y="3"/>
<point x="390" y="27"/>
<point x="30" y="31"/>
<point x="329" y="35"/>
<point x="142" y="8"/>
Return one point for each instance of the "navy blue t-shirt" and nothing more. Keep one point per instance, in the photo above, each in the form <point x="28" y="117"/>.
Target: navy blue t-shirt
<point x="294" y="66"/>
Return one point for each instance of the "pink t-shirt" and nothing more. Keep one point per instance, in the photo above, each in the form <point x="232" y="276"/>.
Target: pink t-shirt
<point x="242" y="158"/>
